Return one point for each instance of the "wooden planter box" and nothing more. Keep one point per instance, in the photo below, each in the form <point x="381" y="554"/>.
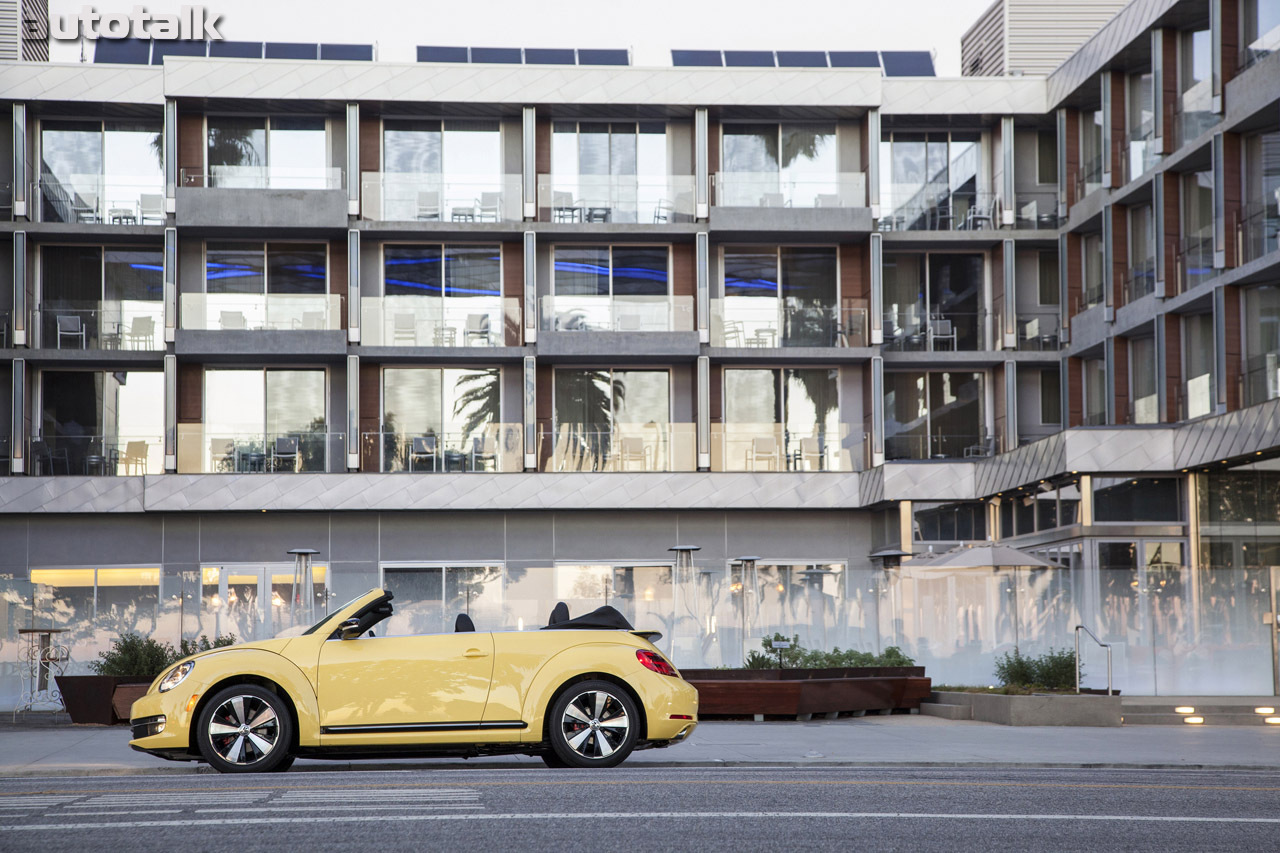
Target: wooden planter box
<point x="91" y="698"/>
<point x="803" y="692"/>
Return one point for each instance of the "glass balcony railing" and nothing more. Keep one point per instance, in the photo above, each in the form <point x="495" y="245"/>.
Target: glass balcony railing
<point x="1141" y="152"/>
<point x="424" y="321"/>
<point x="1036" y="211"/>
<point x="1258" y="230"/>
<point x="1260" y="48"/>
<point x="1145" y="409"/>
<point x="1260" y="380"/>
<point x="774" y="189"/>
<point x="1140" y="281"/>
<point x="265" y="177"/>
<point x="96" y="455"/>
<point x="933" y="208"/>
<point x="491" y="448"/>
<point x="1089" y="177"/>
<point x="311" y="312"/>
<point x="950" y="331"/>
<point x="133" y="325"/>
<point x="642" y="199"/>
<point x="431" y="197"/>
<point x="626" y="447"/>
<point x="974" y="445"/>
<point x="1191" y="124"/>
<point x="1194" y="261"/>
<point x="103" y="199"/>
<point x="208" y="450"/>
<point x="756" y="321"/>
<point x="1091" y="295"/>
<point x="772" y="447"/>
<point x="1039" y="331"/>
<point x="575" y="313"/>
<point x="1095" y="418"/>
<point x="6" y="331"/>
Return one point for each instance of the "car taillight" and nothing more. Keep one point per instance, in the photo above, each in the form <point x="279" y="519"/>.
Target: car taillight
<point x="655" y="662"/>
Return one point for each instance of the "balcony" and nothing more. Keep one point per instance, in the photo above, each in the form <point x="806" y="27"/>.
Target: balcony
<point x="493" y="448"/>
<point x="1089" y="177"/>
<point x="773" y="447"/>
<point x="1197" y="397"/>
<point x="302" y="198"/>
<point x="418" y="321"/>
<point x="574" y="447"/>
<point x="1261" y="378"/>
<point x="100" y="199"/>
<point x="214" y="451"/>
<point x="919" y="446"/>
<point x="106" y="326"/>
<point x="768" y="322"/>
<point x="1258" y="230"/>
<point x="311" y="312"/>
<point x="933" y="208"/>
<point x="265" y="178"/>
<point x="1263" y="46"/>
<point x="1141" y="153"/>
<point x="1038" y="211"/>
<point x="772" y="189"/>
<point x="948" y="331"/>
<point x="1194" y="261"/>
<point x="428" y="197"/>
<point x="583" y="313"/>
<point x="1039" y="331"/>
<point x="1191" y="124"/>
<point x="640" y="199"/>
<point x="1139" y="281"/>
<point x="96" y="455"/>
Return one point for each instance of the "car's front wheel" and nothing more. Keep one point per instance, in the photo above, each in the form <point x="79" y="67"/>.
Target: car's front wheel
<point x="593" y="724"/>
<point x="245" y="729"/>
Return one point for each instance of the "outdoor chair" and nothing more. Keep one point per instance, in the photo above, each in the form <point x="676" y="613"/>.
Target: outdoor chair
<point x="141" y="334"/>
<point x="429" y="205"/>
<point x="484" y="452"/>
<point x="47" y="458"/>
<point x="488" y="207"/>
<point x="422" y="448"/>
<point x="71" y="326"/>
<point x="405" y="330"/>
<point x="285" y="452"/>
<point x="764" y="448"/>
<point x="222" y="455"/>
<point x="233" y="320"/>
<point x="151" y="207"/>
<point x="477" y="327"/>
<point x="632" y="449"/>
<point x="134" y="460"/>
<point x="810" y="454"/>
<point x="941" y="330"/>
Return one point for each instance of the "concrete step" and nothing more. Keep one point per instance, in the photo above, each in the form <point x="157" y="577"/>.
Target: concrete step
<point x="947" y="712"/>
<point x="1213" y="713"/>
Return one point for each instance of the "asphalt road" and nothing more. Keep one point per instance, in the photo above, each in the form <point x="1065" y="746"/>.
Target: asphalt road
<point x="648" y="809"/>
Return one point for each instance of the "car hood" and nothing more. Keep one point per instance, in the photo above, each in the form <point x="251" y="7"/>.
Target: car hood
<point x="274" y="646"/>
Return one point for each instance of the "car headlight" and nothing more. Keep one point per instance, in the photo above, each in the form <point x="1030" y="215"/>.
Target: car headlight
<point x="176" y="676"/>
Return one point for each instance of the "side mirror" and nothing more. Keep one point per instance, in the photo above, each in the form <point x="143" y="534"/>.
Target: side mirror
<point x="350" y="629"/>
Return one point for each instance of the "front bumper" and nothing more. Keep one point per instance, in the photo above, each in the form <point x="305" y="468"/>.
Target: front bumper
<point x="173" y="740"/>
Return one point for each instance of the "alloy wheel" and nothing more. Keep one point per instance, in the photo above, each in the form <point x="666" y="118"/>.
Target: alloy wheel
<point x="243" y="730"/>
<point x="595" y="724"/>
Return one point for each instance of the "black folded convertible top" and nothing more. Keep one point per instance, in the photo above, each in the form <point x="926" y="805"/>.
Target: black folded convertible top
<point x="602" y="618"/>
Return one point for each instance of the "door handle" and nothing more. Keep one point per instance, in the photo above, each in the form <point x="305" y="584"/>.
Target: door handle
<point x="475" y="653"/>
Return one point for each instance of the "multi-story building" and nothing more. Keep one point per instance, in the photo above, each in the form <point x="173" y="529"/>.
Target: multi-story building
<point x="1031" y="36"/>
<point x="494" y="336"/>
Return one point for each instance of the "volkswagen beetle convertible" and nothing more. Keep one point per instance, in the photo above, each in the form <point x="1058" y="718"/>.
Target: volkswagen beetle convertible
<point x="581" y="692"/>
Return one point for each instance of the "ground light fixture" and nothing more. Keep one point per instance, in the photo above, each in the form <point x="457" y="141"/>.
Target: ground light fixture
<point x="1184" y="709"/>
<point x="1264" y="711"/>
<point x="1193" y="721"/>
<point x="1272" y="721"/>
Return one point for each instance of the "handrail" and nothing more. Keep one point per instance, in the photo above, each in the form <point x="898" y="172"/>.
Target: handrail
<point x="1106" y="646"/>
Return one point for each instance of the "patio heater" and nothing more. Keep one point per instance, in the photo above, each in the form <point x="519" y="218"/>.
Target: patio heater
<point x="681" y="580"/>
<point x="302" y="599"/>
<point x="744" y="586"/>
<point x="890" y="560"/>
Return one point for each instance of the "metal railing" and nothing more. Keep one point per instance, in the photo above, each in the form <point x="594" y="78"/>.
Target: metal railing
<point x="936" y="446"/>
<point x="312" y="312"/>
<point x="1036" y="211"/>
<point x="103" y="199"/>
<point x="488" y="448"/>
<point x="773" y="447"/>
<point x="930" y="208"/>
<point x="1191" y="124"/>
<point x="1260" y="380"/>
<point x="440" y="321"/>
<point x="133" y="325"/>
<point x="265" y="177"/>
<point x="948" y="331"/>
<point x="216" y="451"/>
<point x="1139" y="281"/>
<point x="630" y="447"/>
<point x="1039" y="332"/>
<point x="779" y="189"/>
<point x="639" y="199"/>
<point x="581" y="313"/>
<point x="435" y="197"/>
<point x="1140" y="151"/>
<point x="755" y="321"/>
<point x="96" y="455"/>
<point x="1106" y="646"/>
<point x="1193" y="264"/>
<point x="1257" y="230"/>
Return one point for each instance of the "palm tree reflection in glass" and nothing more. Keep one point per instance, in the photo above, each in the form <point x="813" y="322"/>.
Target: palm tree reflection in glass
<point x="586" y="403"/>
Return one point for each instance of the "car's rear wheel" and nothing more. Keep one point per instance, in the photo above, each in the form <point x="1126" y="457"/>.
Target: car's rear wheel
<point x="245" y="729"/>
<point x="593" y="724"/>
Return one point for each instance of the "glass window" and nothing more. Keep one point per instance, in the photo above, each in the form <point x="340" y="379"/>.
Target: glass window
<point x="1047" y="278"/>
<point x="611" y="420"/>
<point x="936" y="415"/>
<point x="297" y="268"/>
<point x="472" y="271"/>
<point x="234" y="268"/>
<point x="793" y="289"/>
<point x="287" y="152"/>
<point x="1142" y="379"/>
<point x="1137" y="499"/>
<point x="1092" y="248"/>
<point x="1197" y="354"/>
<point x="1047" y="157"/>
<point x="1261" y="20"/>
<point x="412" y="270"/>
<point x="411" y="146"/>
<point x="950" y="522"/>
<point x="1095" y="391"/>
<point x="1262" y="343"/>
<point x="454" y="406"/>
<point x="100" y="422"/>
<point x="247" y="411"/>
<point x="428" y="599"/>
<point x="237" y="154"/>
<point x="1050" y="395"/>
<point x="582" y="271"/>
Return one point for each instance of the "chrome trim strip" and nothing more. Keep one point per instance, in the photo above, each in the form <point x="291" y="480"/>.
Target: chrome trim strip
<point x="421" y="727"/>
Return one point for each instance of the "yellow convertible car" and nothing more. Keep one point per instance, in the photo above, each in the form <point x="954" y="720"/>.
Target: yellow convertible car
<point x="581" y="692"/>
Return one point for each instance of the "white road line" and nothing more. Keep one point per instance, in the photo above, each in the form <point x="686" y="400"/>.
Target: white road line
<point x="117" y="812"/>
<point x="290" y="809"/>
<point x="649" y="816"/>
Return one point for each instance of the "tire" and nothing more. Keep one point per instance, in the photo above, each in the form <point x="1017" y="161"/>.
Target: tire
<point x="283" y="765"/>
<point x="233" y="744"/>
<point x="552" y="760"/>
<point x="593" y="724"/>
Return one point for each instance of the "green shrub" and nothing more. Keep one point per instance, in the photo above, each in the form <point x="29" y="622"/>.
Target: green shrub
<point x="1055" y="670"/>
<point x="134" y="655"/>
<point x="798" y="657"/>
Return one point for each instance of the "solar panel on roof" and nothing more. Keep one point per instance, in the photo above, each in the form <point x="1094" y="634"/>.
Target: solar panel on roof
<point x="505" y="55"/>
<point x="236" y="49"/>
<point x="122" y="51"/>
<point x="437" y="53"/>
<point x="907" y="63"/>
<point x="802" y="59"/>
<point x="603" y="56"/>
<point x="696" y="58"/>
<point x="177" y="48"/>
<point x="347" y="52"/>
<point x="854" y="59"/>
<point x="549" y="56"/>
<point x="749" y="58"/>
<point x="291" y="50"/>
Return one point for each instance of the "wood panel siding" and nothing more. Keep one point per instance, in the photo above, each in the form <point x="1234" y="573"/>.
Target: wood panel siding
<point x="1172" y="364"/>
<point x="338" y="278"/>
<point x="1119" y="254"/>
<point x="713" y="155"/>
<point x="684" y="284"/>
<point x="191" y="149"/>
<point x="1075" y="392"/>
<point x="855" y="293"/>
<point x="1120" y="379"/>
<point x="544" y="411"/>
<point x="1119" y="129"/>
<point x="1172" y="218"/>
<point x="1232" y="203"/>
<point x="1230" y="31"/>
<point x="190" y="393"/>
<point x="370" y="143"/>
<point x="1233" y="334"/>
<point x="1075" y="284"/>
<point x="369" y="414"/>
<point x="542" y="159"/>
<point x="1169" y="89"/>
<point x="1000" y="413"/>
<point x="513" y="288"/>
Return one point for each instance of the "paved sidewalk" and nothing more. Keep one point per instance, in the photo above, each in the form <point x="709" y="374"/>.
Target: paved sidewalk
<point x="40" y="748"/>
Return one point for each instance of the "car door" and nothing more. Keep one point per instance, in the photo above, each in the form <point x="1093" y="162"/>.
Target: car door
<point x="424" y="683"/>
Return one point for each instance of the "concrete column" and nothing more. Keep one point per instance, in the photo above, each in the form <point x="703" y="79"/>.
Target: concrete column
<point x="1162" y="375"/>
<point x="530" y="413"/>
<point x="1108" y="127"/>
<point x="702" y="270"/>
<point x="1220" y="350"/>
<point x="1215" y="53"/>
<point x="1009" y="305"/>
<point x="1158" y="72"/>
<point x="353" y="286"/>
<point x="1218" y="160"/>
<point x="353" y="413"/>
<point x="171" y="317"/>
<point x="353" y="159"/>
<point x="1064" y="306"/>
<point x="170" y="413"/>
<point x="530" y="287"/>
<point x="877" y="411"/>
<point x="18" y="424"/>
<point x="529" y="161"/>
<point x="1158" y="225"/>
<point x="1008" y="195"/>
<point x="1010" y="405"/>
<point x="704" y="413"/>
<point x="1062" y="164"/>
<point x="877" y="289"/>
<point x="170" y="155"/>
<point x="1108" y="263"/>
<point x="1109" y="364"/>
<point x="873" y="163"/>
<point x="20" y="289"/>
<point x="21" y="176"/>
<point x="701" y="179"/>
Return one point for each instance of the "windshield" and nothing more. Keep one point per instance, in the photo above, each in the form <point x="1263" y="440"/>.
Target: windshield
<point x="318" y="625"/>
